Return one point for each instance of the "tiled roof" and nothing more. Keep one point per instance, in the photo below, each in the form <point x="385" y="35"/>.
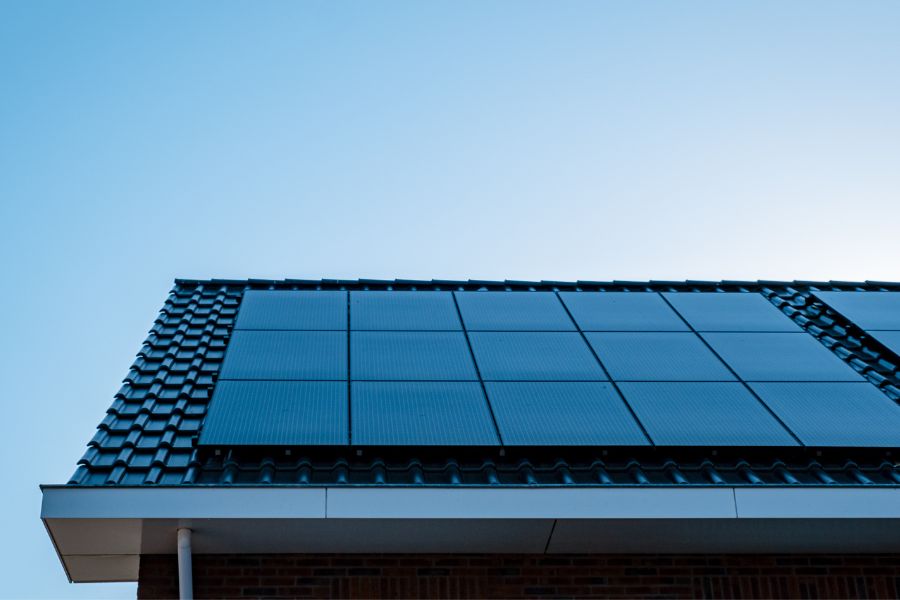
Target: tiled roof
<point x="150" y="433"/>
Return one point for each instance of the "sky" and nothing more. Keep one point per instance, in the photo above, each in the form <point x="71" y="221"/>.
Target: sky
<point x="140" y="142"/>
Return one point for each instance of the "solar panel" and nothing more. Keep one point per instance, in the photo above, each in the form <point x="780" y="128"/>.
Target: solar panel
<point x="867" y="310"/>
<point x="421" y="414"/>
<point x="736" y="311"/>
<point x="296" y="310"/>
<point x="889" y="339"/>
<point x="563" y="414"/>
<point x="667" y="356"/>
<point x="409" y="356"/>
<point x="277" y="413"/>
<point x="425" y="311"/>
<point x="622" y="311"/>
<point x="513" y="311"/>
<point x="779" y="357"/>
<point x="286" y="355"/>
<point x="834" y="414"/>
<point x="530" y="356"/>
<point x="704" y="414"/>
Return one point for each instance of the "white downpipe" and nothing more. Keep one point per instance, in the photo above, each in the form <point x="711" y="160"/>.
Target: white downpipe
<point x="185" y="577"/>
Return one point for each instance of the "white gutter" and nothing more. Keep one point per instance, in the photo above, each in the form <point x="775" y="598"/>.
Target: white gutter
<point x="185" y="577"/>
<point x="100" y="533"/>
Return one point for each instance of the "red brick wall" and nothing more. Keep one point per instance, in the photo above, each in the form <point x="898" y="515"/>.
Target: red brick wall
<point x="543" y="576"/>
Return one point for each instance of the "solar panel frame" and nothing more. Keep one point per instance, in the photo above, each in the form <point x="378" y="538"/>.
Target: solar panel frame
<point x="568" y="413"/>
<point x="411" y="356"/>
<point x="404" y="413"/>
<point x="534" y="356"/>
<point x="779" y="357"/>
<point x="730" y="311"/>
<point x="286" y="355"/>
<point x="277" y="413"/>
<point x="834" y="414"/>
<point x="704" y="414"/>
<point x="657" y="356"/>
<point x="403" y="311"/>
<point x="622" y="311"/>
<point x="513" y="311"/>
<point x="306" y="310"/>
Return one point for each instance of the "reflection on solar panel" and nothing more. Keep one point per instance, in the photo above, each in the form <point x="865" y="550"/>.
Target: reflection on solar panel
<point x="563" y="414"/>
<point x="622" y="311"/>
<point x="527" y="356"/>
<point x="286" y="355"/>
<point x="425" y="311"/>
<point x="704" y="414"/>
<point x="411" y="356"/>
<point x="289" y="413"/>
<point x="663" y="356"/>
<point x="421" y="414"/>
<point x="779" y="357"/>
<point x="311" y="310"/>
<point x="711" y="311"/>
<point x="867" y="310"/>
<point x="834" y="414"/>
<point x="513" y="311"/>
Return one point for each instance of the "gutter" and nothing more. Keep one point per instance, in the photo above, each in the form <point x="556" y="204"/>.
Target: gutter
<point x="100" y="532"/>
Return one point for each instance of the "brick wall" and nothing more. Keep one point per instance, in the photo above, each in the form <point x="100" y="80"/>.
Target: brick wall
<point x="543" y="576"/>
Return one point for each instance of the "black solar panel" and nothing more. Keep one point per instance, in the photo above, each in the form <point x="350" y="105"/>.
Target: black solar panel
<point x="306" y="310"/>
<point x="622" y="311"/>
<point x="704" y="414"/>
<point x="890" y="340"/>
<point x="780" y="357"/>
<point x="867" y="310"/>
<point x="410" y="356"/>
<point x="422" y="311"/>
<point x="513" y="311"/>
<point x="528" y="356"/>
<point x="666" y="356"/>
<point x="713" y="311"/>
<point x="563" y="414"/>
<point x="277" y="413"/>
<point x="286" y="355"/>
<point x="834" y="414"/>
<point x="421" y="414"/>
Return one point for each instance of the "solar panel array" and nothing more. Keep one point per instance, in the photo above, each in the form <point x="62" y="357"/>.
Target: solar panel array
<point x="382" y="368"/>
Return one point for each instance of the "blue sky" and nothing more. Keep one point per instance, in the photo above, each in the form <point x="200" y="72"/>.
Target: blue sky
<point x="591" y="140"/>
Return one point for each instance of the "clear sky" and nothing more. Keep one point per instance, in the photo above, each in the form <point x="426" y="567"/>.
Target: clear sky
<point x="521" y="140"/>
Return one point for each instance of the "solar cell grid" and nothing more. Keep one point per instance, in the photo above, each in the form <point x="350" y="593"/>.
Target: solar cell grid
<point x="779" y="357"/>
<point x="563" y="414"/>
<point x="666" y="356"/>
<point x="513" y="311"/>
<point x="421" y="414"/>
<point x="410" y="356"/>
<point x="622" y="311"/>
<point x="286" y="355"/>
<point x="736" y="311"/>
<point x="834" y="414"/>
<point x="289" y="413"/>
<point x="704" y="414"/>
<point x="425" y="311"/>
<point x="534" y="356"/>
<point x="293" y="310"/>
